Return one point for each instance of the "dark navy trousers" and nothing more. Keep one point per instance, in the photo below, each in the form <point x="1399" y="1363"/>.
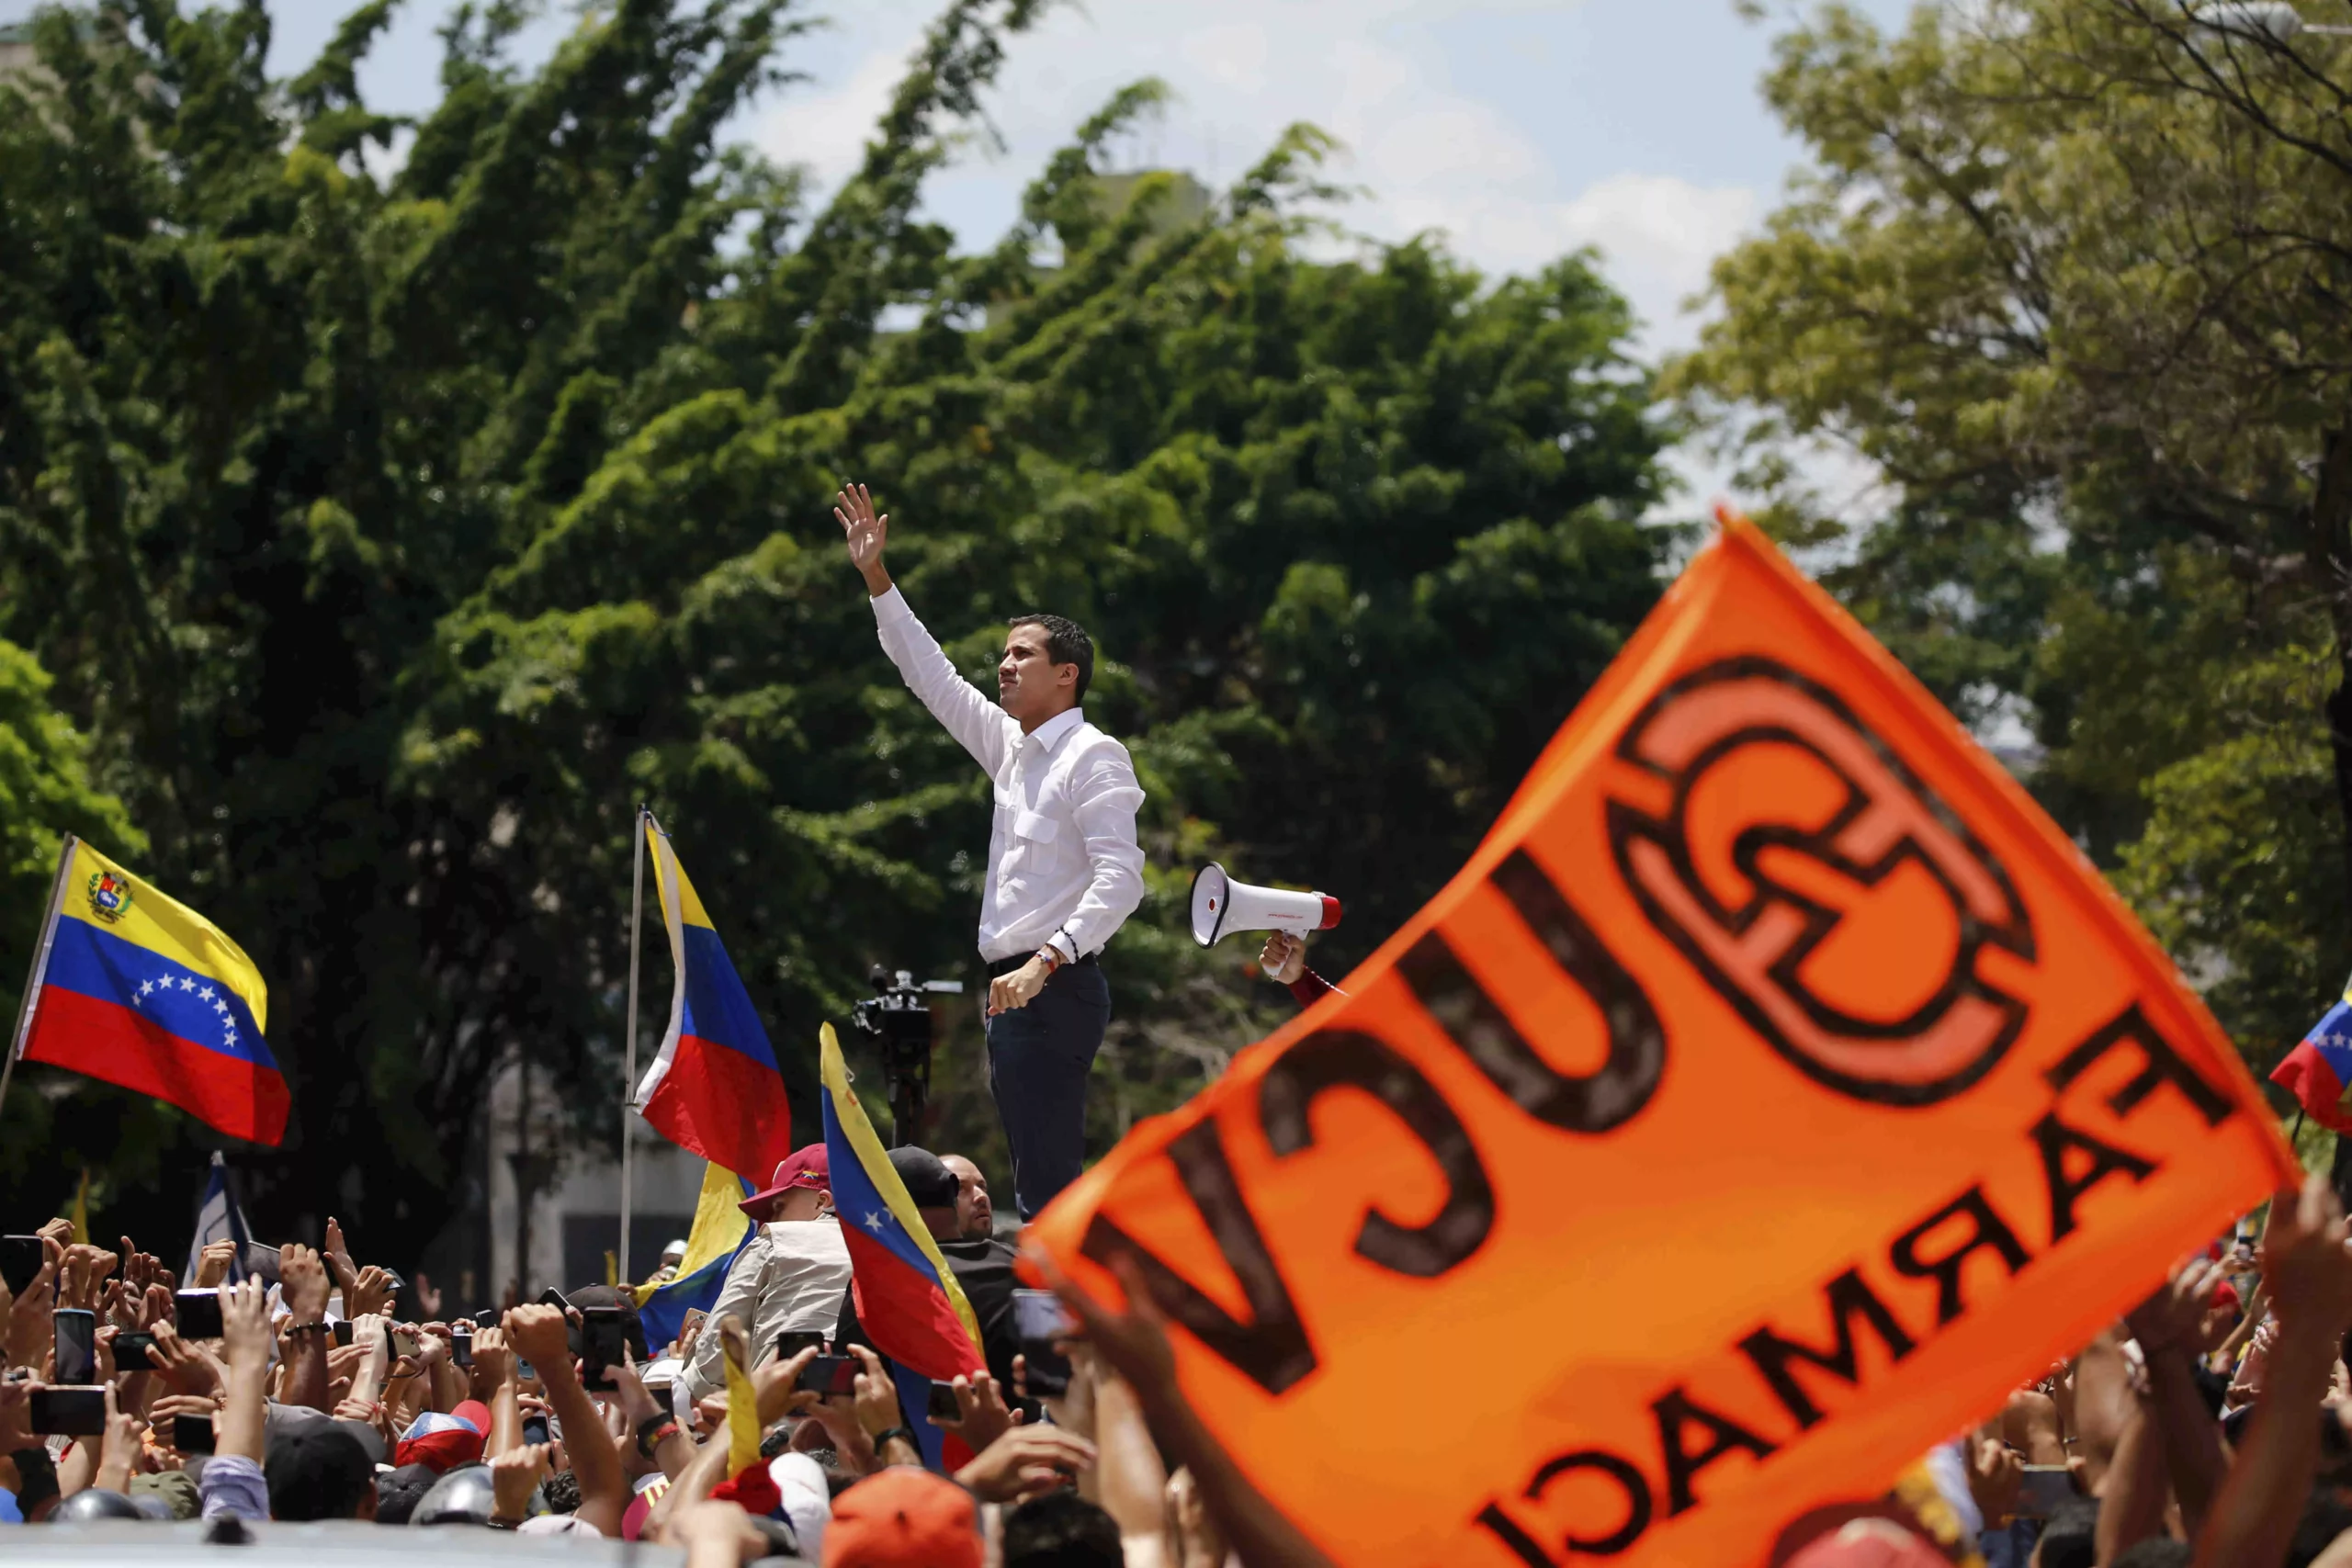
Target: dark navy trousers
<point x="1038" y="1059"/>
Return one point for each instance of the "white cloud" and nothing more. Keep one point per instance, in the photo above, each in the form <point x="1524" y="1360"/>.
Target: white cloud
<point x="1428" y="156"/>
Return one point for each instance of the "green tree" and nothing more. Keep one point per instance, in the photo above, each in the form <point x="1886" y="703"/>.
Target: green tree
<point x="464" y="510"/>
<point x="2072" y="277"/>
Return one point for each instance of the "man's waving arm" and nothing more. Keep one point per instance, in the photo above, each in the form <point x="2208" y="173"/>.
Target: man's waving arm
<point x="961" y="707"/>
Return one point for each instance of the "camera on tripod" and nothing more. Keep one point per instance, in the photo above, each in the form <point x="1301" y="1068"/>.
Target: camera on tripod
<point x="899" y="1017"/>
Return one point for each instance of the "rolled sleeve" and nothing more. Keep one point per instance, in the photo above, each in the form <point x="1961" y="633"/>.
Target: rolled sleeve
<point x="1105" y="798"/>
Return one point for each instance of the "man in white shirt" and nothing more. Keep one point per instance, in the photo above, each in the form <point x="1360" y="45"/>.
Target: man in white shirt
<point x="1064" y="868"/>
<point x="790" y="1276"/>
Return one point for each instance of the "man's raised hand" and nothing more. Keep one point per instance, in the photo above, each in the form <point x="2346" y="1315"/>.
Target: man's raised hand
<point x="2305" y="1260"/>
<point x="302" y="1281"/>
<point x="865" y="534"/>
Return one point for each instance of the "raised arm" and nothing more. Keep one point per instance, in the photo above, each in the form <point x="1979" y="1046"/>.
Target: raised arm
<point x="962" y="708"/>
<point x="2310" y="1273"/>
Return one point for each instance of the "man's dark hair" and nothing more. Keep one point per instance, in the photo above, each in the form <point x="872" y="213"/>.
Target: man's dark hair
<point x="397" y="1497"/>
<point x="562" y="1492"/>
<point x="2156" y="1553"/>
<point x="319" y="1473"/>
<point x="2070" y="1538"/>
<point x="1066" y="643"/>
<point x="1061" y="1529"/>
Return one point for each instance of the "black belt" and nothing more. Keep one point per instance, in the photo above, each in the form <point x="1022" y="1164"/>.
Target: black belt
<point x="1002" y="967"/>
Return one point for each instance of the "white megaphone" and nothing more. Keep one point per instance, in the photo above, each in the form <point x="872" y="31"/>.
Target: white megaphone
<point x="1221" y="904"/>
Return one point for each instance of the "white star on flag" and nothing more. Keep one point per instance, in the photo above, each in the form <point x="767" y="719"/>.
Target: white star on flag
<point x="874" y="1223"/>
<point x="146" y="987"/>
<point x="188" y="985"/>
<point x="206" y="993"/>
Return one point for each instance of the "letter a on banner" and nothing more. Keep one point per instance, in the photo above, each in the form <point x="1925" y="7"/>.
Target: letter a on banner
<point x="1774" y="1090"/>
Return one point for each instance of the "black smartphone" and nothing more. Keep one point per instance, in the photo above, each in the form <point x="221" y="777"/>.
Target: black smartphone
<point x="792" y="1341"/>
<point x="534" y="1429"/>
<point x="1040" y="1322"/>
<point x="131" y="1352"/>
<point x="68" y="1411"/>
<point x="2046" y="1488"/>
<point x="603" y="1344"/>
<point x="21" y="1261"/>
<point x="343" y="1331"/>
<point x="192" y="1434"/>
<point x="941" y="1406"/>
<point x="198" y="1314"/>
<point x="77" y="1338"/>
<point x="830" y="1375"/>
<point x="461" y="1347"/>
<point x="554" y="1298"/>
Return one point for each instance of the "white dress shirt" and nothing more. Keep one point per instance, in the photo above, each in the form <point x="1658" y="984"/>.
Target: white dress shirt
<point x="1064" y="867"/>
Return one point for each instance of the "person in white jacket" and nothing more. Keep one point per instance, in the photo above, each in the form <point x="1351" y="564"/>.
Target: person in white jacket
<point x="791" y="1275"/>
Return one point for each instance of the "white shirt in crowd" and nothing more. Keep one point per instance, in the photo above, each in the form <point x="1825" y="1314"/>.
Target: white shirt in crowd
<point x="1064" y="867"/>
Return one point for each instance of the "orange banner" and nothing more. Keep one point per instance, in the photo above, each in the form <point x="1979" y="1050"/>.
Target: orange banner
<point x="1774" y="1090"/>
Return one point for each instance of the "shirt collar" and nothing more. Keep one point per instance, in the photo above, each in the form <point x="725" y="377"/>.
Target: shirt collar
<point x="1056" y="730"/>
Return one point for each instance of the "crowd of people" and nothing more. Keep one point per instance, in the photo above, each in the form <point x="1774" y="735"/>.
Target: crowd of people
<point x="2209" y="1425"/>
<point x="313" y="1399"/>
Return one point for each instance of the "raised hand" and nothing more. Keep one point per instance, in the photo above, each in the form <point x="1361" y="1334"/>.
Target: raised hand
<point x="212" y="1264"/>
<point x="244" y="1326"/>
<point x="80" y="1285"/>
<point x="492" y="1360"/>
<point x="1025" y="1463"/>
<point x="865" y="534"/>
<point x="873" y="1396"/>
<point x="302" y="1281"/>
<point x="2174" y="1317"/>
<point x="1284" y="958"/>
<point x="511" y="1476"/>
<point x="539" y="1334"/>
<point x="981" y="1414"/>
<point x="338" y="1260"/>
<point x="183" y="1368"/>
<point x="428" y="1296"/>
<point x="2305" y="1262"/>
<point x="371" y="1292"/>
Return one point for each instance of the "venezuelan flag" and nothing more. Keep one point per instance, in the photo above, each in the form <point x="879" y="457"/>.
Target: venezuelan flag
<point x="908" y="1299"/>
<point x="2318" y="1072"/>
<point x="715" y="1089"/>
<point x="140" y="990"/>
<point x="721" y="1230"/>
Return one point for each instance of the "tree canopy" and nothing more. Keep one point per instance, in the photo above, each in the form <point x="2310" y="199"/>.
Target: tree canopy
<point x="394" y="526"/>
<point x="2073" y="275"/>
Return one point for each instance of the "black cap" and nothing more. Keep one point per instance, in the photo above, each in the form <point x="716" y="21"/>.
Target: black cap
<point x="928" y="1180"/>
<point x="318" y="1472"/>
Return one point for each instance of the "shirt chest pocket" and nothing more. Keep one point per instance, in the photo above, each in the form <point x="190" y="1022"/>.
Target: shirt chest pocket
<point x="1035" y="844"/>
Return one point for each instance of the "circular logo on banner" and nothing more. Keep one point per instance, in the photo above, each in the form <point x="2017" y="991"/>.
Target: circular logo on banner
<point x="1823" y="891"/>
<point x="109" y="896"/>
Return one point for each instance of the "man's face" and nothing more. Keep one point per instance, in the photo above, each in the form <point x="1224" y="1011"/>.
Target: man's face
<point x="1029" y="684"/>
<point x="974" y="1216"/>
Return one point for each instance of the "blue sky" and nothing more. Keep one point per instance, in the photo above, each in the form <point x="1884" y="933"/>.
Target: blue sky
<point x="1522" y="128"/>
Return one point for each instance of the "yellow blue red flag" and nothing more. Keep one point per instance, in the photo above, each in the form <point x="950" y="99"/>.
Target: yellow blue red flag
<point x="137" y="989"/>
<point x="715" y="1087"/>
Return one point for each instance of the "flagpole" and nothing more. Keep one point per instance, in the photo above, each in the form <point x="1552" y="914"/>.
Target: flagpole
<point x="37" y="971"/>
<point x="628" y="1069"/>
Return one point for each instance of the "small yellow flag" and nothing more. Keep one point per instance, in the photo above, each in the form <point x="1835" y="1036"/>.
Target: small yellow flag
<point x="82" y="1210"/>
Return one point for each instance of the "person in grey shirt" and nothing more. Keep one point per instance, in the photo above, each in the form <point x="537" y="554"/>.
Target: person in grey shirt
<point x="789" y="1276"/>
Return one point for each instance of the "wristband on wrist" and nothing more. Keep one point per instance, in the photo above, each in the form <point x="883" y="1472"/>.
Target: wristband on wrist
<point x="882" y="1439"/>
<point x="1052" y="955"/>
<point x="653" y="1431"/>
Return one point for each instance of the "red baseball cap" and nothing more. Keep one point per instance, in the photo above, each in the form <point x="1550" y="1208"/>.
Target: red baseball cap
<point x="803" y="1167"/>
<point x="904" y="1517"/>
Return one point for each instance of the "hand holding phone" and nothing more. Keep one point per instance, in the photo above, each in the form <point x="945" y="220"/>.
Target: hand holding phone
<point x="2045" y="1489"/>
<point x="198" y="1314"/>
<point x="76" y="1339"/>
<point x="1042" y="1323"/>
<point x="67" y="1412"/>
<point x="604" y="1345"/>
<point x="828" y="1375"/>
